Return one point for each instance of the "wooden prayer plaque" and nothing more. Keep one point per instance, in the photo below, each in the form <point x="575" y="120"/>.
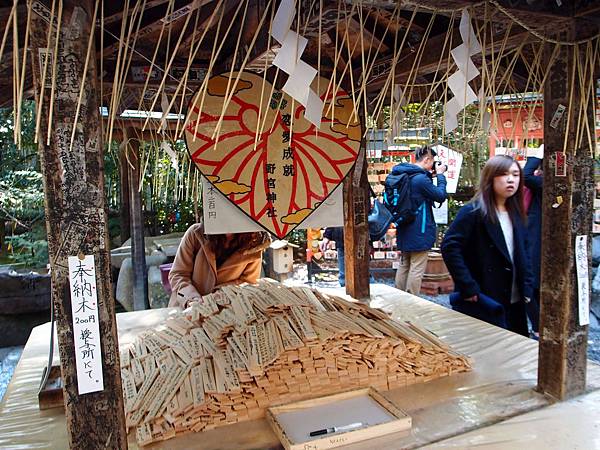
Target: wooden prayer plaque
<point x="264" y="156"/>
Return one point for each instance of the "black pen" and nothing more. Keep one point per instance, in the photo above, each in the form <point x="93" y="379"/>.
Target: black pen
<point x="330" y="430"/>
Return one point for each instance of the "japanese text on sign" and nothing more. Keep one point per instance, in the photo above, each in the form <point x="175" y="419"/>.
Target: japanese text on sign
<point x="453" y="160"/>
<point x="86" y="331"/>
<point x="583" y="279"/>
<point x="221" y="216"/>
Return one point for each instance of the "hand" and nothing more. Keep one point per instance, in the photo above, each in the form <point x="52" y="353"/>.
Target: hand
<point x="324" y="244"/>
<point x="473" y="298"/>
<point x="440" y="168"/>
<point x="189" y="302"/>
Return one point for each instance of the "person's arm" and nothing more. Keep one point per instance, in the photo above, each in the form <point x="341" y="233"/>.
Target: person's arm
<point x="430" y="190"/>
<point x="532" y="181"/>
<point x="180" y="276"/>
<point x="252" y="271"/>
<point x="453" y="247"/>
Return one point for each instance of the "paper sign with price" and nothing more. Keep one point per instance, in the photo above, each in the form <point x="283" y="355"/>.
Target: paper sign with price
<point x="86" y="331"/>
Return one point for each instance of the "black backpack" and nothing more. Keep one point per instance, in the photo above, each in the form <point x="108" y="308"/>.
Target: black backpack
<point x="398" y="199"/>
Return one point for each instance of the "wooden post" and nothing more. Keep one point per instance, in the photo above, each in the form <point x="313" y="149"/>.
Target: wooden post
<point x="567" y="213"/>
<point x="124" y="195"/>
<point x="76" y="221"/>
<point x="138" y="247"/>
<point x="356" y="229"/>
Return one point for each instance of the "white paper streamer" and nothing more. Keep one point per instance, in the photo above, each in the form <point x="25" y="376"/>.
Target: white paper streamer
<point x="461" y="57"/>
<point x="301" y="75"/>
<point x="283" y="20"/>
<point x="290" y="52"/>
<point x="314" y="109"/>
<point x="458" y="82"/>
<point x="298" y="83"/>
<point x="467" y="33"/>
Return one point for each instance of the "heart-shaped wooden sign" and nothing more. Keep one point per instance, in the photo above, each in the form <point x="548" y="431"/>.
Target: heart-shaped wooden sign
<point x="264" y="156"/>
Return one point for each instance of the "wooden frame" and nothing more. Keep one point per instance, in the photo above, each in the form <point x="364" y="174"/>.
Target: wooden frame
<point x="402" y="422"/>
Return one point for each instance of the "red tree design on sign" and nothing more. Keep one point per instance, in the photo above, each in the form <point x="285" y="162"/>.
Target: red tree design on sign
<point x="263" y="155"/>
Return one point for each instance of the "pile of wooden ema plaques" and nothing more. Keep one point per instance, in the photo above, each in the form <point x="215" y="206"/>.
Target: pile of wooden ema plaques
<point x="246" y="348"/>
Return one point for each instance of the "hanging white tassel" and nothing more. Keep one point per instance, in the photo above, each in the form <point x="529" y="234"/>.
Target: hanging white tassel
<point x="301" y="75"/>
<point x="458" y="82"/>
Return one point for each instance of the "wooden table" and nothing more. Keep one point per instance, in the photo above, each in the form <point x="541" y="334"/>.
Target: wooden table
<point x="457" y="411"/>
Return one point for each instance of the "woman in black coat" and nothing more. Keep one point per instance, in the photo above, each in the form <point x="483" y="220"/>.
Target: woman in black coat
<point x="485" y="247"/>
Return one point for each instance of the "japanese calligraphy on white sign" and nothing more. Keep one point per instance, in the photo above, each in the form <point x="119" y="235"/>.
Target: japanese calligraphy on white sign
<point x="86" y="331"/>
<point x="583" y="279"/>
<point x="454" y="161"/>
<point x="440" y="215"/>
<point x="221" y="216"/>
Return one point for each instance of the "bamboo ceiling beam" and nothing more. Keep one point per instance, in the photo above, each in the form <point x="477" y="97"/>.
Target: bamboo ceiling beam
<point x="399" y="22"/>
<point x="156" y="24"/>
<point x="108" y="20"/>
<point x="433" y="53"/>
<point x="187" y="42"/>
<point x="369" y="39"/>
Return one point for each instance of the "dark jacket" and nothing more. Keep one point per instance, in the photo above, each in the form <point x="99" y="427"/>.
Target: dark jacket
<point x="420" y="235"/>
<point x="534" y="216"/>
<point x="478" y="260"/>
<point x="335" y="234"/>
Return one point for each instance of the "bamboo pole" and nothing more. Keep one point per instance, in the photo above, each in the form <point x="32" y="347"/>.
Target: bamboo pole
<point x="54" y="73"/>
<point x="214" y="55"/>
<point x="83" y="76"/>
<point x="38" y="116"/>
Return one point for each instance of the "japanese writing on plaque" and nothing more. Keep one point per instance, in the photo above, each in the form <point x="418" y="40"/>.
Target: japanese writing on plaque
<point x="86" y="331"/>
<point x="583" y="279"/>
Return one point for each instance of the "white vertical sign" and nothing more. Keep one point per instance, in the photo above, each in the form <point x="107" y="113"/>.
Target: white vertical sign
<point x="583" y="279"/>
<point x="86" y="331"/>
<point x="453" y="160"/>
<point x="440" y="215"/>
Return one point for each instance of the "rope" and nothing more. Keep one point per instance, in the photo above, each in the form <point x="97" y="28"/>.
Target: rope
<point x="440" y="10"/>
<point x="507" y="13"/>
<point x="152" y="64"/>
<point x="537" y="33"/>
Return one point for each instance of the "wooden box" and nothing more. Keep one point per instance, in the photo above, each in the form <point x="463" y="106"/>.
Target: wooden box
<point x="376" y="415"/>
<point x="51" y="394"/>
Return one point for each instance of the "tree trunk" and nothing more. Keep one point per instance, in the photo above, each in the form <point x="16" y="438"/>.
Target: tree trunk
<point x="138" y="247"/>
<point x="76" y="221"/>
<point x="356" y="229"/>
<point x="567" y="213"/>
<point x="124" y="195"/>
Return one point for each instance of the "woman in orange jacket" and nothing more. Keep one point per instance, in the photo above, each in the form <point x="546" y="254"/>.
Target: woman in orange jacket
<point x="205" y="262"/>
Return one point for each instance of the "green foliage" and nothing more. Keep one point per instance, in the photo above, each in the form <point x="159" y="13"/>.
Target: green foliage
<point x="470" y="138"/>
<point x="21" y="195"/>
<point x="171" y="217"/>
<point x="297" y="237"/>
<point x="453" y="207"/>
<point x="30" y="247"/>
<point x="21" y="190"/>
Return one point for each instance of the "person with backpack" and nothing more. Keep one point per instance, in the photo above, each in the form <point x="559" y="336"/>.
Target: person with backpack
<point x="409" y="195"/>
